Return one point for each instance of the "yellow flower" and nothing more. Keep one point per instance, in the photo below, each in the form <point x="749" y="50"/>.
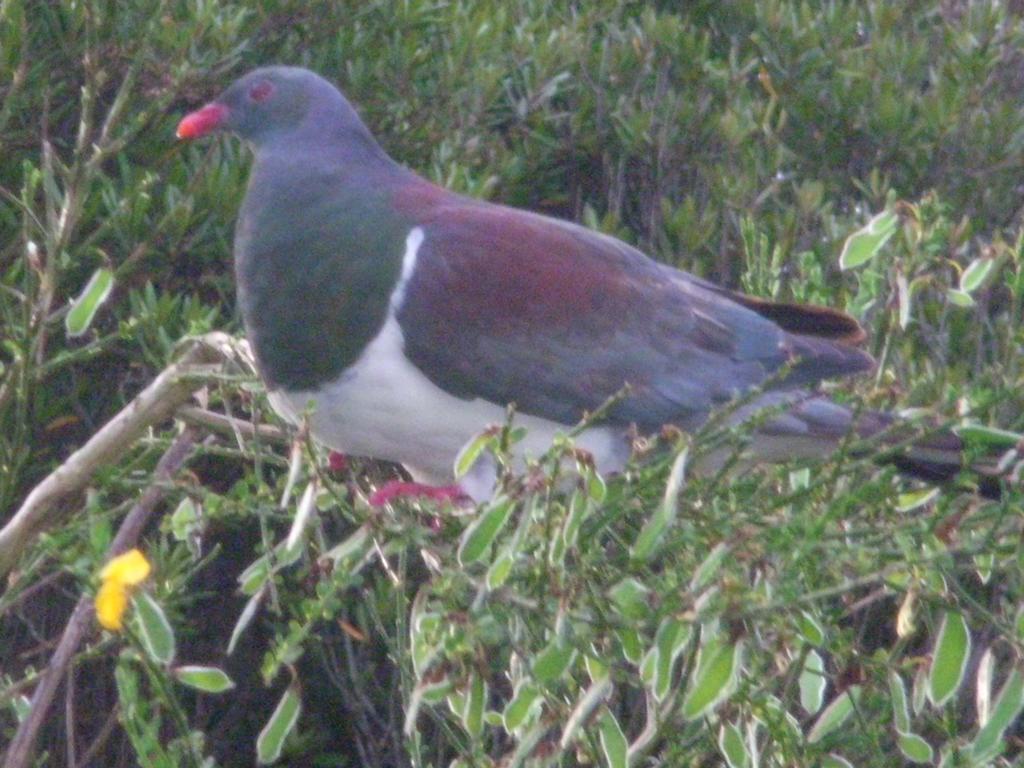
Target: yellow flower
<point x="124" y="571"/>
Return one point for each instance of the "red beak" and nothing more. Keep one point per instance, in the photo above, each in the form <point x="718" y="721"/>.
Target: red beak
<point x="202" y="121"/>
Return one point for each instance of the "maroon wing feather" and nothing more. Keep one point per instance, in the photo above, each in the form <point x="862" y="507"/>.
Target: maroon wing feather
<point x="514" y="307"/>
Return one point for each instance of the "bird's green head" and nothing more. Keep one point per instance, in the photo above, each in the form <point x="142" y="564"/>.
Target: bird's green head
<point x="273" y="103"/>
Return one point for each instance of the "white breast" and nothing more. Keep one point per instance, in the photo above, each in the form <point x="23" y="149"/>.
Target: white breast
<point x="384" y="407"/>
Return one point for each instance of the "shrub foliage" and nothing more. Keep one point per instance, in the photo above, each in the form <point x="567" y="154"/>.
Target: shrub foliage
<point x="812" y="613"/>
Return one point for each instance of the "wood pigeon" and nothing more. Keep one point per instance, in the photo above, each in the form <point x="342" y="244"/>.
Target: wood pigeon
<point x="408" y="317"/>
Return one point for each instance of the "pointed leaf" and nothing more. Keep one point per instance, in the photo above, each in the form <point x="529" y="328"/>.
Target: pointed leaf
<point x="476" y="540"/>
<point x="718" y="668"/>
<point x="907" y="502"/>
<point x="154" y="630"/>
<point x="959" y="298"/>
<point x="976" y="274"/>
<point x="631" y="598"/>
<point x="352" y="550"/>
<point x="553" y="661"/>
<point x="914" y="748"/>
<point x="206" y="679"/>
<point x="862" y="245"/>
<point x="812" y="683"/>
<point x="834" y="715"/>
<point x="302" y="514"/>
<point x="272" y="737"/>
<point x="776" y="715"/>
<point x="476" y="701"/>
<point x="245" y="618"/>
<point x="900" y="706"/>
<point x="980" y="436"/>
<point x="470" y="452"/>
<point x="500" y="569"/>
<point x="651" y="535"/>
<point x="614" y="746"/>
<point x="733" y="746"/>
<point x="810" y="629"/>
<point x="659" y="663"/>
<point x="525" y="702"/>
<point x="707" y="569"/>
<point x="949" y="659"/>
<point x="592" y="698"/>
<point x="632" y="650"/>
<point x="84" y="308"/>
<point x="1008" y="705"/>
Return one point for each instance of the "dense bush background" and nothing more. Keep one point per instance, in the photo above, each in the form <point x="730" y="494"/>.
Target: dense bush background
<point x="742" y="141"/>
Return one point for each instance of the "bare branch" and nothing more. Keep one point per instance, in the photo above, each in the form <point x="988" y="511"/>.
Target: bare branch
<point x="19" y="754"/>
<point x="172" y="388"/>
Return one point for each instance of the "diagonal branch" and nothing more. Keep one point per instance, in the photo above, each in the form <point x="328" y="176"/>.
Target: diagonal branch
<point x="172" y="388"/>
<point x="19" y="754"/>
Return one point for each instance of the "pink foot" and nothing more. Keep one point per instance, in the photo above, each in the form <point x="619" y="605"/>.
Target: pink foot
<point x="396" y="489"/>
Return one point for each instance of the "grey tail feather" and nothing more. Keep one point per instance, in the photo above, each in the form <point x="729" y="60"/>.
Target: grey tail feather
<point x="937" y="457"/>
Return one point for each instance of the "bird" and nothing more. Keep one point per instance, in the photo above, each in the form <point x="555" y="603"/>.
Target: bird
<point x="401" y="319"/>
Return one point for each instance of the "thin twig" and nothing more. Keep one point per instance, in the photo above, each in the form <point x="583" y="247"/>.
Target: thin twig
<point x="19" y="754"/>
<point x="230" y="426"/>
<point x="172" y="388"/>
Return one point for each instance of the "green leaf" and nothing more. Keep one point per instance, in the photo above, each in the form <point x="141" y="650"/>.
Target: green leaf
<point x="245" y="618"/>
<point x="525" y="702"/>
<point x="652" y="535"/>
<point x="900" y="705"/>
<point x="632" y="649"/>
<point x="976" y="274"/>
<point x="976" y="435"/>
<point x="914" y="748"/>
<point x="476" y="540"/>
<point x="500" y="569"/>
<point x="812" y="683"/>
<point x="775" y="715"/>
<point x="580" y="507"/>
<point x="471" y="451"/>
<point x="592" y="698"/>
<point x="658" y="664"/>
<point x="21" y="706"/>
<point x="207" y="679"/>
<point x="733" y="746"/>
<point x="302" y="515"/>
<point x="597" y="489"/>
<point x="281" y="723"/>
<point x="476" y="701"/>
<point x="959" y="298"/>
<point x="707" y="569"/>
<point x="984" y="563"/>
<point x="988" y="744"/>
<point x="614" y="746"/>
<point x="553" y="661"/>
<point x="907" y="502"/>
<point x="718" y="668"/>
<point x="631" y="598"/>
<point x="154" y="630"/>
<point x="834" y="715"/>
<point x="810" y="629"/>
<point x="184" y="520"/>
<point x="861" y="246"/>
<point x="949" y="659"/>
<point x="84" y="308"/>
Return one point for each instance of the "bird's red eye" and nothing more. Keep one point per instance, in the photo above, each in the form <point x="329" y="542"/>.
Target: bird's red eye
<point x="261" y="90"/>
